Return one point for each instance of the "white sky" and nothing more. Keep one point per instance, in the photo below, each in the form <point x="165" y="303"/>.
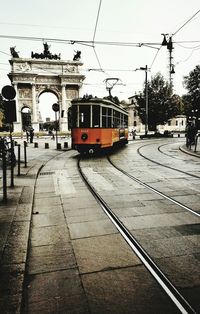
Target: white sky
<point x="135" y="21"/>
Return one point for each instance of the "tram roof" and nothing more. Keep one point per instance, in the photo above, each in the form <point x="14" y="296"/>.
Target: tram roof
<point x="97" y="100"/>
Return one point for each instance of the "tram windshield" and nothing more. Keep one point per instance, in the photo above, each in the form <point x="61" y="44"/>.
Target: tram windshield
<point x="84" y="116"/>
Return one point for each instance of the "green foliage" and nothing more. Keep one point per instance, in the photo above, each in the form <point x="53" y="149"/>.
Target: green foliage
<point x="192" y="99"/>
<point x="162" y="105"/>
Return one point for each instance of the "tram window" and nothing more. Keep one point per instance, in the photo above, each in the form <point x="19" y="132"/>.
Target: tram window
<point x="84" y="116"/>
<point x="121" y="120"/>
<point x="104" y="111"/>
<point x="95" y="116"/>
<point x="109" y="122"/>
<point x="125" y="121"/>
<point x="104" y="122"/>
<point x="117" y="119"/>
<point x="106" y="117"/>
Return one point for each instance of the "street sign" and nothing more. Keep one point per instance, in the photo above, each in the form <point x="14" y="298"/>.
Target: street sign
<point x="8" y="92"/>
<point x="55" y="107"/>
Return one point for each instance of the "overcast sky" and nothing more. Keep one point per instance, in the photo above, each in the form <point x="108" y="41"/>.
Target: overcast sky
<point x="133" y="21"/>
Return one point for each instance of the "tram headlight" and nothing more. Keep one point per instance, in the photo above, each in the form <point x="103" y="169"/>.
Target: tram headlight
<point x="84" y="136"/>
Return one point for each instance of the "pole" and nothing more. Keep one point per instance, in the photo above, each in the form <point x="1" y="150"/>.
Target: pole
<point x="18" y="159"/>
<point x="146" y="102"/>
<point x="4" y="176"/>
<point x="56" y="129"/>
<point x="12" y="159"/>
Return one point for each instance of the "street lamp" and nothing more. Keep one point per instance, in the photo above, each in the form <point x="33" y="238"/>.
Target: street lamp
<point x="146" y="97"/>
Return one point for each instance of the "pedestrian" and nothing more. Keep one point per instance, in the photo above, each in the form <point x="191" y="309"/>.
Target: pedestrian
<point x="133" y="132"/>
<point x="31" y="135"/>
<point x="191" y="132"/>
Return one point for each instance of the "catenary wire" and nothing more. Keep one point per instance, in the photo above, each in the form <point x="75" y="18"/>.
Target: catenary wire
<point x="186" y="23"/>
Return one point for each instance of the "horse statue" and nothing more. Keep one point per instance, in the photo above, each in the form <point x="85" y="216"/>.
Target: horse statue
<point x="13" y="52"/>
<point x="77" y="55"/>
<point x="46" y="50"/>
<point x="46" y="54"/>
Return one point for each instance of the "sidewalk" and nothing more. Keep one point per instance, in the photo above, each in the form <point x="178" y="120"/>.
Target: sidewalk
<point x="15" y="218"/>
<point x="190" y="151"/>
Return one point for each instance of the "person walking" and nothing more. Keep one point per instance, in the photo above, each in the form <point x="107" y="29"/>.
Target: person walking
<point x="31" y="135"/>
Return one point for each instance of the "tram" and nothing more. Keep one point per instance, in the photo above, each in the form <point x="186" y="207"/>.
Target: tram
<point x="97" y="124"/>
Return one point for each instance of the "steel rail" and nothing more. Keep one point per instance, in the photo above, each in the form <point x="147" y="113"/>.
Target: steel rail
<point x="179" y="301"/>
<point x="169" y="167"/>
<point x="154" y="190"/>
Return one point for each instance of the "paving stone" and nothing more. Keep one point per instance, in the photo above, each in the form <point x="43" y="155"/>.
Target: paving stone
<point x="65" y="296"/>
<point x="49" y="235"/>
<point x="186" y="272"/>
<point x="90" y="229"/>
<point x="100" y="253"/>
<point x="126" y="290"/>
<point x="50" y="258"/>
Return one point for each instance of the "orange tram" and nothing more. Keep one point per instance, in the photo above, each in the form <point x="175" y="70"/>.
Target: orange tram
<point x="97" y="123"/>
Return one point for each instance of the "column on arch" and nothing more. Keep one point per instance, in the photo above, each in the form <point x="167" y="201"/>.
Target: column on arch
<point x="34" y="106"/>
<point x="63" y="111"/>
<point x="18" y="115"/>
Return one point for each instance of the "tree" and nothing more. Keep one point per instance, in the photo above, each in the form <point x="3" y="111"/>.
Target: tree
<point x="192" y="99"/>
<point x="162" y="105"/>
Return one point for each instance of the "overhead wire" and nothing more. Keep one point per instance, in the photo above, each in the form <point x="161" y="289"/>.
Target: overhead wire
<point x="111" y="43"/>
<point x="179" y="43"/>
<point x="186" y="23"/>
<point x="94" y="35"/>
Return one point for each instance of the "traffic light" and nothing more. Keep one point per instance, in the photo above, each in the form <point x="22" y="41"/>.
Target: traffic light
<point x="9" y="108"/>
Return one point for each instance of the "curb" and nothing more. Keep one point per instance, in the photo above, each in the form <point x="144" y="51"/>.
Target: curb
<point x="189" y="152"/>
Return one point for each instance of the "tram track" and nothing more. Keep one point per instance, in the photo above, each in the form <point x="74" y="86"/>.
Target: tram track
<point x="164" y="165"/>
<point x="178" y="299"/>
<point x="154" y="190"/>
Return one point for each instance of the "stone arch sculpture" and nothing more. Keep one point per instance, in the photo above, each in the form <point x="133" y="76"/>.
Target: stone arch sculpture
<point x="32" y="77"/>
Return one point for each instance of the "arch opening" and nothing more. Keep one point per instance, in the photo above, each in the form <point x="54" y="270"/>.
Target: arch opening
<point x="46" y="114"/>
<point x="26" y="118"/>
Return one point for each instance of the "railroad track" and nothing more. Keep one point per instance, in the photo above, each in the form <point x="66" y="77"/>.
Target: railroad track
<point x="177" y="298"/>
<point x="139" y="150"/>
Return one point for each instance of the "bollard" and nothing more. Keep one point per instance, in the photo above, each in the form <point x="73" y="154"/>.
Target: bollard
<point x="46" y="145"/>
<point x="4" y="176"/>
<point x="36" y="145"/>
<point x="18" y="159"/>
<point x="58" y="145"/>
<point x="25" y="157"/>
<point x="65" y="144"/>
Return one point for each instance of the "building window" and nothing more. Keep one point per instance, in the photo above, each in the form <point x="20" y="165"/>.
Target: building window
<point x="176" y="122"/>
<point x="135" y="123"/>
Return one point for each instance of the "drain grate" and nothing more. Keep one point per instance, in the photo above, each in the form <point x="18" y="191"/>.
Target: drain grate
<point x="47" y="173"/>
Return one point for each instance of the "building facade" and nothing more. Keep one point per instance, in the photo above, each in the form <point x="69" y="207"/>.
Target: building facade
<point x="176" y="124"/>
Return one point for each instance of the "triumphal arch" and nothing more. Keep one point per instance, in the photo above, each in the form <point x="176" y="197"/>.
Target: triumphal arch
<point x="44" y="72"/>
